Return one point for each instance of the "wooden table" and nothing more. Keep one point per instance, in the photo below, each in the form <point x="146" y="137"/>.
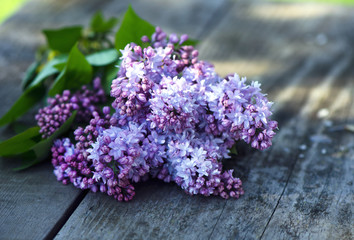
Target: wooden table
<point x="301" y="188"/>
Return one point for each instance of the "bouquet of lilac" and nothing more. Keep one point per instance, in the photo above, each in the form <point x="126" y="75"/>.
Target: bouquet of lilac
<point x="174" y="118"/>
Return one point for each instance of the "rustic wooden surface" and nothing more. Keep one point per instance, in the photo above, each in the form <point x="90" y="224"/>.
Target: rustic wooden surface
<point x="301" y="188"/>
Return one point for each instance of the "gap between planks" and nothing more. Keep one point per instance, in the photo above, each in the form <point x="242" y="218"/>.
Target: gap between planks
<point x="64" y="218"/>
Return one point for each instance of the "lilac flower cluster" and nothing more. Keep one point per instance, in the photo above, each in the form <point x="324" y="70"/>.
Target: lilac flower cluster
<point x="193" y="161"/>
<point x="74" y="164"/>
<point x="175" y="119"/>
<point x="61" y="107"/>
<point x="242" y="111"/>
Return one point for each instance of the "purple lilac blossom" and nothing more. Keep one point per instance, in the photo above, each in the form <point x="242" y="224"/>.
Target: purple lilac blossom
<point x="61" y="107"/>
<point x="242" y="111"/>
<point x="173" y="107"/>
<point x="193" y="163"/>
<point x="72" y="163"/>
<point x="140" y="71"/>
<point x="118" y="151"/>
<point x="129" y="152"/>
<point x="175" y="119"/>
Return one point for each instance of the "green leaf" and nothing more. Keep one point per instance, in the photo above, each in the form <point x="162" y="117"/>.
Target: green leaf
<point x="98" y="24"/>
<point x="102" y="58"/>
<point x="28" y="99"/>
<point x="109" y="24"/>
<point x="29" y="74"/>
<point x="76" y="73"/>
<point x="59" y="84"/>
<point x="18" y="127"/>
<point x="96" y="21"/>
<point x="28" y="159"/>
<point x="20" y="143"/>
<point x="63" y="39"/>
<point x="60" y="66"/>
<point x="49" y="69"/>
<point x="192" y="42"/>
<point x="41" y="150"/>
<point x="132" y="29"/>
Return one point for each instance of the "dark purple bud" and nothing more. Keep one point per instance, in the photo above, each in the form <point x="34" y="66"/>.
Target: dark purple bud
<point x="106" y="110"/>
<point x="99" y="167"/>
<point x="195" y="53"/>
<point x="255" y="144"/>
<point x="94" y="188"/>
<point x="103" y="188"/>
<point x="173" y="38"/>
<point x="145" y="39"/>
<point x="106" y="139"/>
<point x="108" y="173"/>
<point x="66" y="93"/>
<point x="107" y="158"/>
<point x="105" y="149"/>
<point x="161" y="36"/>
<point x="157" y="44"/>
<point x="184" y="38"/>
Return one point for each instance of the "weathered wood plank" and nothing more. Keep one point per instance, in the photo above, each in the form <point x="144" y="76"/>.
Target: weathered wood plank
<point x="32" y="203"/>
<point x="159" y="211"/>
<point x="291" y="70"/>
<point x="318" y="201"/>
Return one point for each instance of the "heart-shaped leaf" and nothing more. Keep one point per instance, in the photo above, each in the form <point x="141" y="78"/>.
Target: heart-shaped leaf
<point x="63" y="39"/>
<point x="103" y="57"/>
<point x="132" y="29"/>
<point x="99" y="25"/>
<point x="76" y="73"/>
<point x="49" y="69"/>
